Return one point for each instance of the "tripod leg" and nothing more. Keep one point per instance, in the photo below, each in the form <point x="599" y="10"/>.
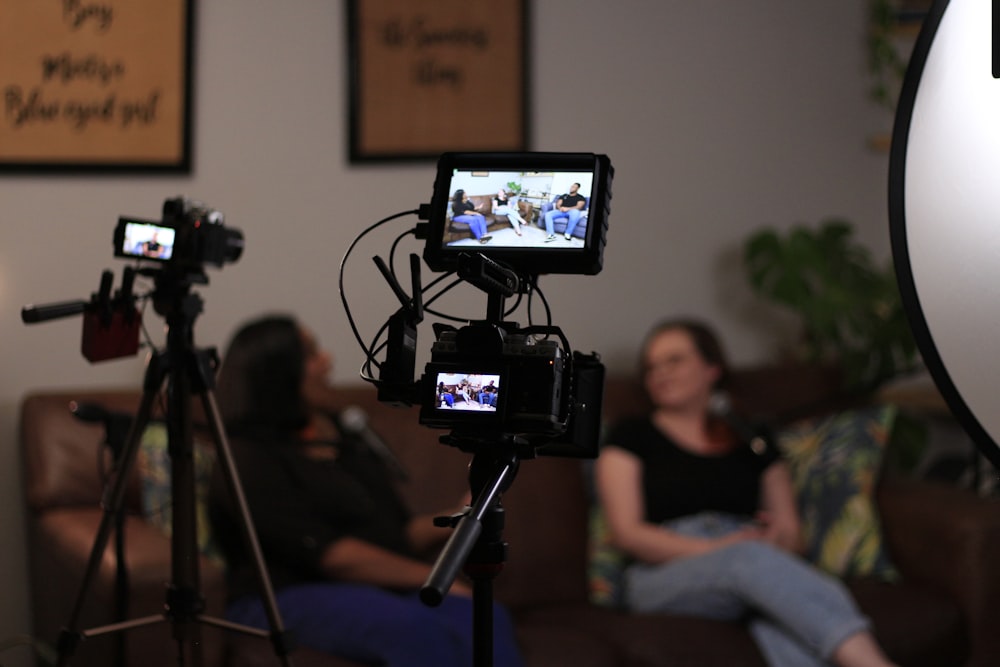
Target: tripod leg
<point x="184" y="600"/>
<point x="112" y="502"/>
<point x="279" y="637"/>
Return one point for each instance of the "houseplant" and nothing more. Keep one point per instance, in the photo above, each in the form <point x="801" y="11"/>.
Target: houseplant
<point x="849" y="307"/>
<point x="850" y="310"/>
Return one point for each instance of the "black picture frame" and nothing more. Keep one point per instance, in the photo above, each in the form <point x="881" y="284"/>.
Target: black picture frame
<point x="432" y="76"/>
<point x="96" y="88"/>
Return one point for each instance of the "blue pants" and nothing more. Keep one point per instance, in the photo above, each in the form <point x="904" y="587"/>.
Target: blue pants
<point x="372" y="625"/>
<point x="476" y="223"/>
<point x="797" y="615"/>
<point x="572" y="218"/>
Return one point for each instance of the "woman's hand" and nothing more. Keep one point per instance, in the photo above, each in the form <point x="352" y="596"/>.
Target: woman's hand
<point x="780" y="517"/>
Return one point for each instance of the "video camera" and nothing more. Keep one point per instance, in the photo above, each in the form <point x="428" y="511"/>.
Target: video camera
<point x="493" y="379"/>
<point x="188" y="236"/>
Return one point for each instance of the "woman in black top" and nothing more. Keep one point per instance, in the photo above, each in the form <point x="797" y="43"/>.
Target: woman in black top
<point x="710" y="521"/>
<point x="339" y="544"/>
<point x="503" y="206"/>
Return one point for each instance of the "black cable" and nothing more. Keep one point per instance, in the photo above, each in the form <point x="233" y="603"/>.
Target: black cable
<point x="343" y="263"/>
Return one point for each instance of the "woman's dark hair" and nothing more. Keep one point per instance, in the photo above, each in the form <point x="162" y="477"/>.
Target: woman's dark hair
<point x="705" y="341"/>
<point x="458" y="196"/>
<point x="260" y="382"/>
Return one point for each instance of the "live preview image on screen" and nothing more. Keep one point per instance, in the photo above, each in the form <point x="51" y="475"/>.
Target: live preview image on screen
<point x="517" y="209"/>
<point x="533" y="212"/>
<point x="467" y="391"/>
<point x="144" y="239"/>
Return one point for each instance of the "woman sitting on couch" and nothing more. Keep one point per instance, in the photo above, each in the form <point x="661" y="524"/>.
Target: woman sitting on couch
<point x="340" y="546"/>
<point x="710" y="521"/>
<point x="464" y="211"/>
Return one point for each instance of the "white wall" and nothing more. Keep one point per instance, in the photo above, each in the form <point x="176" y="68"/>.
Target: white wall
<point x="719" y="117"/>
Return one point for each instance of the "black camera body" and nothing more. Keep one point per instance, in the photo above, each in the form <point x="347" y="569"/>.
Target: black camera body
<point x="189" y="236"/>
<point x="486" y="381"/>
<point x="498" y="382"/>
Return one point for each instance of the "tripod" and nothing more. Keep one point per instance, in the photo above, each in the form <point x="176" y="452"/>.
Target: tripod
<point x="477" y="542"/>
<point x="187" y="371"/>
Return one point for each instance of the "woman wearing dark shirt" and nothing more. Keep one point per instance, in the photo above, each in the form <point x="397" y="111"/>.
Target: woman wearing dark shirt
<point x="464" y="211"/>
<point x="339" y="544"/>
<point x="710" y="521"/>
<point x="502" y="205"/>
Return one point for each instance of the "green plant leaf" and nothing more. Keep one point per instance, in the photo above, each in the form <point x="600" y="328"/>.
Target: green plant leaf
<point x="850" y="309"/>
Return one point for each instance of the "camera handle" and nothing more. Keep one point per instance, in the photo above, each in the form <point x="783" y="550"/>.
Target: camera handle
<point x="477" y="541"/>
<point x="187" y="371"/>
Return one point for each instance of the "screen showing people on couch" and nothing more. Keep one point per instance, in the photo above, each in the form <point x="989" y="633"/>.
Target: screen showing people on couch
<point x="514" y="209"/>
<point x="467" y="391"/>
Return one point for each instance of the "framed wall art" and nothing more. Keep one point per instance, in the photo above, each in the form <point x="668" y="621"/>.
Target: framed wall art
<point x="90" y="86"/>
<point x="430" y="76"/>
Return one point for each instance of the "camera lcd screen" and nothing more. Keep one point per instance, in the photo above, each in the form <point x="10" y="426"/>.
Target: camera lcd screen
<point x="146" y="240"/>
<point x="467" y="392"/>
<point x="535" y="212"/>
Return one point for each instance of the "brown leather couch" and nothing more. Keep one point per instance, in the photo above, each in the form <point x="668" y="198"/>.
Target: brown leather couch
<point x="484" y="205"/>
<point x="945" y="541"/>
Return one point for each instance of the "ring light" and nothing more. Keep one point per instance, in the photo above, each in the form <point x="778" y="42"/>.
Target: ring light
<point x="944" y="209"/>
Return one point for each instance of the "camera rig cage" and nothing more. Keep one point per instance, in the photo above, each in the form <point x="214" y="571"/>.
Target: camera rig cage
<point x="506" y="382"/>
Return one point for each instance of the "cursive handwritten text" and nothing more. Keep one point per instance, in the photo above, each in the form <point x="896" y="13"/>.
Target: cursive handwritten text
<point x="418" y="34"/>
<point x="65" y="68"/>
<point x="23" y="108"/>
<point x="78" y="13"/>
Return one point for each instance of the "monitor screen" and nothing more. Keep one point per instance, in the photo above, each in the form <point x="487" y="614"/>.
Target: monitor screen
<point x="535" y="212"/>
<point x="143" y="239"/>
<point x="468" y="392"/>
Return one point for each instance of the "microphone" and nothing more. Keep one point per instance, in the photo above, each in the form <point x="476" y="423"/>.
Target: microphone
<point x="353" y="421"/>
<point x="757" y="436"/>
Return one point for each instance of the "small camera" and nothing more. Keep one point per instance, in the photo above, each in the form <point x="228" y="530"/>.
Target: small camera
<point x="480" y="377"/>
<point x="189" y="235"/>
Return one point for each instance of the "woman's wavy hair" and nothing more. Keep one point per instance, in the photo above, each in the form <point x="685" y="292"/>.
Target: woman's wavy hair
<point x="260" y="382"/>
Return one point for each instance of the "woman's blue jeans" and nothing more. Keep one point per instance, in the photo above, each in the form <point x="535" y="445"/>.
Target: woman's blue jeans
<point x="372" y="625"/>
<point x="797" y="614"/>
<point x="476" y="223"/>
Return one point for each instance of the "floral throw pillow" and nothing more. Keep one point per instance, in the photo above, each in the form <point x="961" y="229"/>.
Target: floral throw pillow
<point x="606" y="563"/>
<point x="835" y="463"/>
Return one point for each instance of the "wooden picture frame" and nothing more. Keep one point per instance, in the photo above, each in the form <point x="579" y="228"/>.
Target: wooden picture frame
<point x="430" y="76"/>
<point x="88" y="86"/>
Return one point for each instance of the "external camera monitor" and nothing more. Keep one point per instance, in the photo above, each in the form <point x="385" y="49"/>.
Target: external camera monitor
<point x="144" y="240"/>
<point x="534" y="212"/>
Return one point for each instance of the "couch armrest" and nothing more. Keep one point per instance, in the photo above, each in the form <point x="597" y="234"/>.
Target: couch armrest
<point x="61" y="542"/>
<point x="948" y="539"/>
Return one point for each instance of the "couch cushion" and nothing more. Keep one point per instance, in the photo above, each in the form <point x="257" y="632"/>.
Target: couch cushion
<point x="835" y="461"/>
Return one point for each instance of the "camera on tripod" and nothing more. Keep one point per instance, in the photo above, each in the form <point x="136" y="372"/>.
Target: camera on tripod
<point x="493" y="380"/>
<point x="188" y="236"/>
<point x="508" y="383"/>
